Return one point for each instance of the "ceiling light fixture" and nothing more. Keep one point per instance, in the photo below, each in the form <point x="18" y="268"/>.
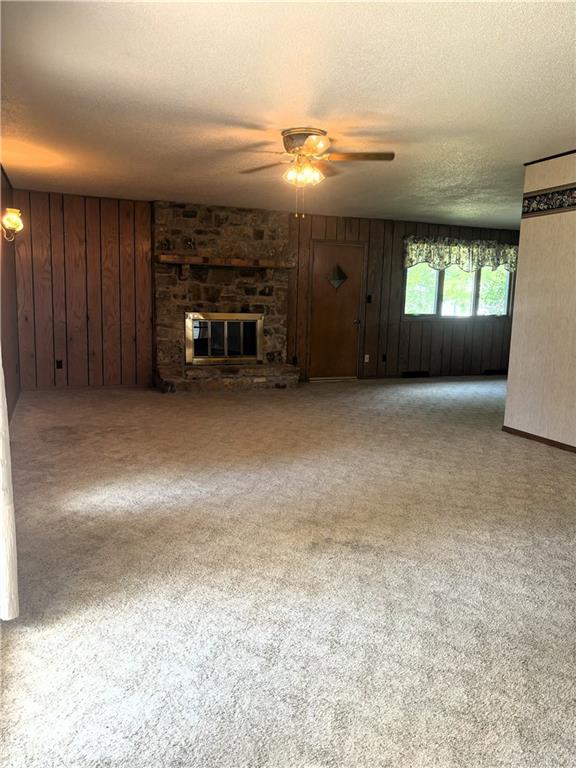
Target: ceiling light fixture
<point x="11" y="223"/>
<point x="303" y="173"/>
<point x="311" y="157"/>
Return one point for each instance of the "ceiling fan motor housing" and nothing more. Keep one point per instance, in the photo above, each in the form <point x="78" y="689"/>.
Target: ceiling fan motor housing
<point x="295" y="138"/>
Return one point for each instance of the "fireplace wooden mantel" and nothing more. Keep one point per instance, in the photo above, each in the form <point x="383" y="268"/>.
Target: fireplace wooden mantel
<point x="224" y="261"/>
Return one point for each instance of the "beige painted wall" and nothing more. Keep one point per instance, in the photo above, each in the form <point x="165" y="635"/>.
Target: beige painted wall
<point x="542" y="373"/>
<point x="557" y="172"/>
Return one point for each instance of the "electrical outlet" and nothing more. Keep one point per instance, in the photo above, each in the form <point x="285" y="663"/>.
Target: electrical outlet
<point x="366" y="358"/>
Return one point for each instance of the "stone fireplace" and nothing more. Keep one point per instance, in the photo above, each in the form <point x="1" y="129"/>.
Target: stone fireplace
<point x="211" y="261"/>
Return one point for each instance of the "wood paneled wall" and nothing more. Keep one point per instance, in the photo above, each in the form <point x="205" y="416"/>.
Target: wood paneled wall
<point x="9" y="309"/>
<point x="84" y="282"/>
<point x="394" y="344"/>
<point x="84" y="285"/>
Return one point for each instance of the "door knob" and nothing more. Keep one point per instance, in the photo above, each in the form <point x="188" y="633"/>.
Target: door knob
<point x="356" y="322"/>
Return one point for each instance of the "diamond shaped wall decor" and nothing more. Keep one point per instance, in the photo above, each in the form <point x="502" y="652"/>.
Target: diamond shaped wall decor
<point x="338" y="277"/>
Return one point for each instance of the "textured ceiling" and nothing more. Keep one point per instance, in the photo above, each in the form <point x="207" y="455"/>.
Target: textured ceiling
<point x="164" y="101"/>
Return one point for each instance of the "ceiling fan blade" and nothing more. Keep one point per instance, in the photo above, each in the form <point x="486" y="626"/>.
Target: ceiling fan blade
<point x="261" y="168"/>
<point x="249" y="148"/>
<point x="345" y="157"/>
<point x="223" y="120"/>
<point x="326" y="168"/>
<point x="262" y="151"/>
<point x="258" y="145"/>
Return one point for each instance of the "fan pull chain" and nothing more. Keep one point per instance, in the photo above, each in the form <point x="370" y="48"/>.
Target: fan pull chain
<point x="299" y="203"/>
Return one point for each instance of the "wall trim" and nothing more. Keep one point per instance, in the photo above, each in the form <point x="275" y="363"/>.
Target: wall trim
<point x="555" y="200"/>
<point x="551" y="157"/>
<point x="557" y="188"/>
<point x="539" y="439"/>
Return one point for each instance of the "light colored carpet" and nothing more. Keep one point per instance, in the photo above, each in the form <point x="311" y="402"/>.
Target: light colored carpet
<point x="346" y="575"/>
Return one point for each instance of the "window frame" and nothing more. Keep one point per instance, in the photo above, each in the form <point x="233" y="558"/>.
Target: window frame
<point x="475" y="299"/>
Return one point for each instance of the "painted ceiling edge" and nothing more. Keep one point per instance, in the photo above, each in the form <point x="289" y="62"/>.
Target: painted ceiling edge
<point x="551" y="157"/>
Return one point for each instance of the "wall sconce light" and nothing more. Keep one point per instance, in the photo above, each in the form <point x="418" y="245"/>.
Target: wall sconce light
<point x="11" y="223"/>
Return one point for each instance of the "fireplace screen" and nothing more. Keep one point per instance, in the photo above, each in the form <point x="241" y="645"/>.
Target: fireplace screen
<point x="217" y="337"/>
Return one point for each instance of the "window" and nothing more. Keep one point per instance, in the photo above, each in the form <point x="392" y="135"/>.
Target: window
<point x="494" y="289"/>
<point x="453" y="292"/>
<point x="457" y="293"/>
<point x="458" y="277"/>
<point x="421" y="290"/>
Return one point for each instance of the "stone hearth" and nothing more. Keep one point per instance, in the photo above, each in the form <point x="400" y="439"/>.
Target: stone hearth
<point x="213" y="233"/>
<point x="207" y="377"/>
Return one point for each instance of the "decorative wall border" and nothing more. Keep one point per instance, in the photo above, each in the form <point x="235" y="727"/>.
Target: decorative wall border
<point x="546" y="201"/>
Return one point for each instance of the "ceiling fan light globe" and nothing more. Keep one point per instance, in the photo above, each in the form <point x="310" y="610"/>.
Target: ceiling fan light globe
<point x="317" y="176"/>
<point x="303" y="173"/>
<point x="314" y="146"/>
<point x="290" y="175"/>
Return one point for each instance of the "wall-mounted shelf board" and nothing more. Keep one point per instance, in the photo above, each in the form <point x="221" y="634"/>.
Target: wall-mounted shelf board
<point x="224" y="261"/>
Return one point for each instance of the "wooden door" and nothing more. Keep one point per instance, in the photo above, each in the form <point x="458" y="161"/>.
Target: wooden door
<point x="335" y="323"/>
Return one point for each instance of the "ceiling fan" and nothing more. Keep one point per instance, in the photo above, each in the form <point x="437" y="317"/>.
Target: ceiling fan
<point x="308" y="153"/>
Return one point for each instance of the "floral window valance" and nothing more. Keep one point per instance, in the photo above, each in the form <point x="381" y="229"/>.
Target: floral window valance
<point x="469" y="255"/>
